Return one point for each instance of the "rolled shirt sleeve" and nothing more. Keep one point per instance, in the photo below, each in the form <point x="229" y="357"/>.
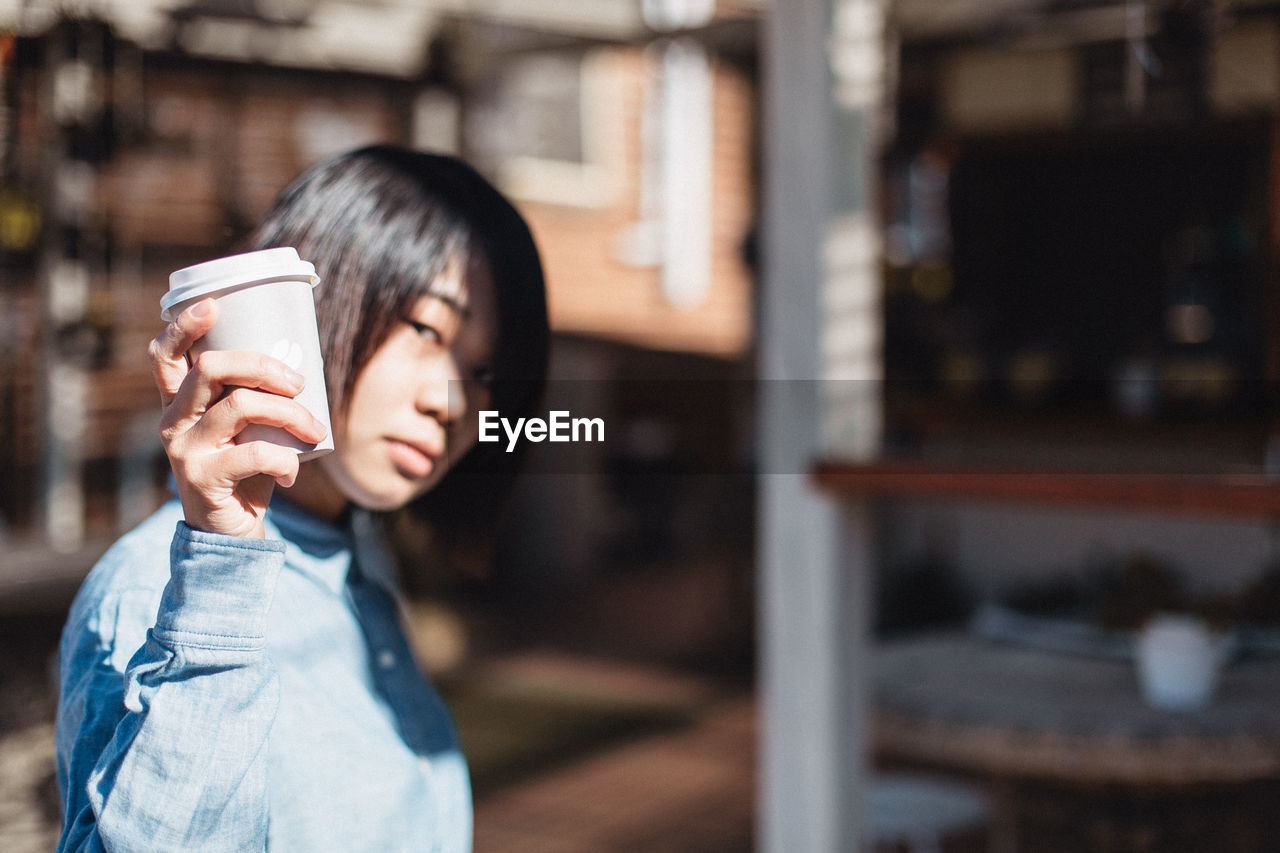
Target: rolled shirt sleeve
<point x="171" y="753"/>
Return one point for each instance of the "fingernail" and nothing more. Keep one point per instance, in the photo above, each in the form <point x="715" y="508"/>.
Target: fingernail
<point x="200" y="309"/>
<point x="294" y="378"/>
<point x="321" y="429"/>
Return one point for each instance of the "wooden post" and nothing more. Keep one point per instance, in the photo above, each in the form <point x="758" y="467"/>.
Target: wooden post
<point x="820" y="370"/>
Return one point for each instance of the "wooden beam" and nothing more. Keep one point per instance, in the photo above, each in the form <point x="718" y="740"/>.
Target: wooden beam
<point x="1243" y="496"/>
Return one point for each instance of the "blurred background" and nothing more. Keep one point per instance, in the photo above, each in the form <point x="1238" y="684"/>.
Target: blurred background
<point x="935" y="342"/>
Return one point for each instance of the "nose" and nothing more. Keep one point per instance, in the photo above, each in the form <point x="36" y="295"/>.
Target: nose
<point x="441" y="394"/>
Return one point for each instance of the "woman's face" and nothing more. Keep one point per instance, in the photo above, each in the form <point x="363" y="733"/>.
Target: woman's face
<point x="413" y="410"/>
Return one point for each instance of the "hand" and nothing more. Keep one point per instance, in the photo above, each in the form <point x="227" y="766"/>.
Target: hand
<point x="224" y="486"/>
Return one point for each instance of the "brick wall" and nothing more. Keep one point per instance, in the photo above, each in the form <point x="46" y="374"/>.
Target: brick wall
<point x="592" y="292"/>
<point x="219" y="143"/>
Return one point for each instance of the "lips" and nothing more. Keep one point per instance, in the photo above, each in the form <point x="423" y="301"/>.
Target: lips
<point x="413" y="458"/>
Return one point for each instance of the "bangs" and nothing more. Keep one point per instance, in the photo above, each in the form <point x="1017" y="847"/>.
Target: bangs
<point x="448" y="288"/>
<point x="380" y="224"/>
<point x="380" y="239"/>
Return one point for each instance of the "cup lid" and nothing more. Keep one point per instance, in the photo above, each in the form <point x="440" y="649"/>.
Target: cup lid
<point x="232" y="272"/>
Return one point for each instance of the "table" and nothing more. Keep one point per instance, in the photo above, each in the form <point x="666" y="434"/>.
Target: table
<point x="1071" y="757"/>
<point x="961" y="701"/>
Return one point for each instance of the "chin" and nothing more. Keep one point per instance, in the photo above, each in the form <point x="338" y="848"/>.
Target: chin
<point x="393" y="494"/>
<point x="380" y="504"/>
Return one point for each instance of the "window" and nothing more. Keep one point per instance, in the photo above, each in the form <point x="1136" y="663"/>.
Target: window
<point x="545" y="126"/>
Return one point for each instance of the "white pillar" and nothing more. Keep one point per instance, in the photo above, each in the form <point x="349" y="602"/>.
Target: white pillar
<point x="820" y="366"/>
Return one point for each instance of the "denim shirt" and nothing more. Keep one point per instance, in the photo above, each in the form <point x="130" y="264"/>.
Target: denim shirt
<point x="221" y="693"/>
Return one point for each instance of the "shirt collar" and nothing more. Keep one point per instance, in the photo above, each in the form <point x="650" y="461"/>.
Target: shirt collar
<point x="373" y="554"/>
<point x="325" y="551"/>
<point x="314" y="547"/>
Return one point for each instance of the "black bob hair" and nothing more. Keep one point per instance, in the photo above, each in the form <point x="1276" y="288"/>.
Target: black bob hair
<point x="380" y="223"/>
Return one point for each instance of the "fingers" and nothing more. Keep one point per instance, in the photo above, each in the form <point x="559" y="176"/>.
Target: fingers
<point x="215" y="371"/>
<point x="245" y="406"/>
<point x="228" y="491"/>
<point x="258" y="457"/>
<point x="168" y="351"/>
<point x="209" y="400"/>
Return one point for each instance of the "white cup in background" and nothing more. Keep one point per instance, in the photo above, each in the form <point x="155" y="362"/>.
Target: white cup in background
<point x="1178" y="658"/>
<point x="264" y="305"/>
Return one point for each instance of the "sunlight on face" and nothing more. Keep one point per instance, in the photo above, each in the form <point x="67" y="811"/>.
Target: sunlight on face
<point x="412" y="411"/>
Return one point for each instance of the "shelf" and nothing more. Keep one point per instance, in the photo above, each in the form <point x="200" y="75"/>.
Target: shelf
<point x="1241" y="497"/>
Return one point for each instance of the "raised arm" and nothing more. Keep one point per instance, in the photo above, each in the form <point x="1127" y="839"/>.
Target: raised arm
<point x="166" y="712"/>
<point x="166" y="709"/>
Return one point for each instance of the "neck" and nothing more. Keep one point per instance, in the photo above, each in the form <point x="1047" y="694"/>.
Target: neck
<point x="314" y="492"/>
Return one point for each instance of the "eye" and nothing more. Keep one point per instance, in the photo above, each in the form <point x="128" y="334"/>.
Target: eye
<point x="426" y="331"/>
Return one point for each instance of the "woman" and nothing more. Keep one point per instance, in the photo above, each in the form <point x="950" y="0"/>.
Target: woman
<point x="233" y="672"/>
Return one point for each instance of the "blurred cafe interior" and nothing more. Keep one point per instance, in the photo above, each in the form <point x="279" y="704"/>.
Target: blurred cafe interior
<point x="937" y="344"/>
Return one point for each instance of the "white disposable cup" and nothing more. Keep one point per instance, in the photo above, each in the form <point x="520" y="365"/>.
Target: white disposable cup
<point x="1178" y="658"/>
<point x="265" y="305"/>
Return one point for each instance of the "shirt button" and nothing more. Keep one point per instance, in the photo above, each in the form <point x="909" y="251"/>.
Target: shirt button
<point x="386" y="659"/>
